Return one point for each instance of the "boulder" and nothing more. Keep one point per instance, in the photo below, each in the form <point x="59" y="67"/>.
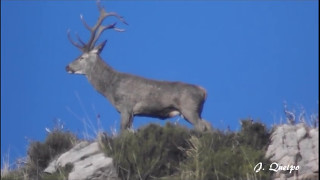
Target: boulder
<point x="88" y="162"/>
<point x="296" y="146"/>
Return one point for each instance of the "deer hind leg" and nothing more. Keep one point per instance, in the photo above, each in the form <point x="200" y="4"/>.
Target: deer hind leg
<point x="126" y="120"/>
<point x="194" y="118"/>
<point x="205" y="125"/>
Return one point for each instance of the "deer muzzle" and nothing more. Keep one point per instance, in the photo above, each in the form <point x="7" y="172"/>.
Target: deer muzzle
<point x="69" y="70"/>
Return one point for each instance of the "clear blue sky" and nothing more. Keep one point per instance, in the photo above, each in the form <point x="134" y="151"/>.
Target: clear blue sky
<point x="250" y="56"/>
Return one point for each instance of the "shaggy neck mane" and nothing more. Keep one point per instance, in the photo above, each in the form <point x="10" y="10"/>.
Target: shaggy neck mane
<point x="102" y="77"/>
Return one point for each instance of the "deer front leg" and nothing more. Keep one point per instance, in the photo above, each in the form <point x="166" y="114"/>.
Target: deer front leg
<point x="126" y="120"/>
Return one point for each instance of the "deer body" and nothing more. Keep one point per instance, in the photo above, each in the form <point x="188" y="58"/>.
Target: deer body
<point x="133" y="95"/>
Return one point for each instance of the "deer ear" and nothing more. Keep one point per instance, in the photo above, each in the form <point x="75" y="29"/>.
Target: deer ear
<point x="99" y="48"/>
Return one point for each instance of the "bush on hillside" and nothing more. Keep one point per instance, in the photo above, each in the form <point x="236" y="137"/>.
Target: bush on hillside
<point x="40" y="154"/>
<point x="175" y="152"/>
<point x="151" y="152"/>
<point x="166" y="152"/>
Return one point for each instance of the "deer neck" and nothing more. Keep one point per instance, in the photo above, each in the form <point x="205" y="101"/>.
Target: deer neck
<point x="103" y="78"/>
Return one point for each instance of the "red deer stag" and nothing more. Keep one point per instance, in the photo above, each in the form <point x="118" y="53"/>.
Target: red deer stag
<point x="132" y="95"/>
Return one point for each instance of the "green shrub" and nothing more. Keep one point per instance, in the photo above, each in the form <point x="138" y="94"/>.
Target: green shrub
<point x="41" y="154"/>
<point x="151" y="152"/>
<point x="57" y="142"/>
<point x="175" y="152"/>
<point x="217" y="155"/>
<point x="253" y="134"/>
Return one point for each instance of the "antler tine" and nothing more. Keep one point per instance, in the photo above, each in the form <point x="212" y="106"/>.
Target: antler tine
<point x="93" y="30"/>
<point x="74" y="43"/>
<point x="100" y="30"/>
<point x="99" y="6"/>
<point x="85" y="23"/>
<point x="102" y="10"/>
<point x="118" y="16"/>
<point x="79" y="39"/>
<point x="118" y="29"/>
<point x="97" y="29"/>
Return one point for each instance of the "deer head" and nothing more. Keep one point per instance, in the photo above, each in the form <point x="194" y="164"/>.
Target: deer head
<point x="90" y="51"/>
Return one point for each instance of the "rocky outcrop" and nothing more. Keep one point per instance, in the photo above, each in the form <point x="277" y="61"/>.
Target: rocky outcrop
<point x="87" y="161"/>
<point x="293" y="152"/>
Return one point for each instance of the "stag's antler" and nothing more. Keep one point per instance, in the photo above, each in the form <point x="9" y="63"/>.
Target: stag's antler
<point x="97" y="29"/>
